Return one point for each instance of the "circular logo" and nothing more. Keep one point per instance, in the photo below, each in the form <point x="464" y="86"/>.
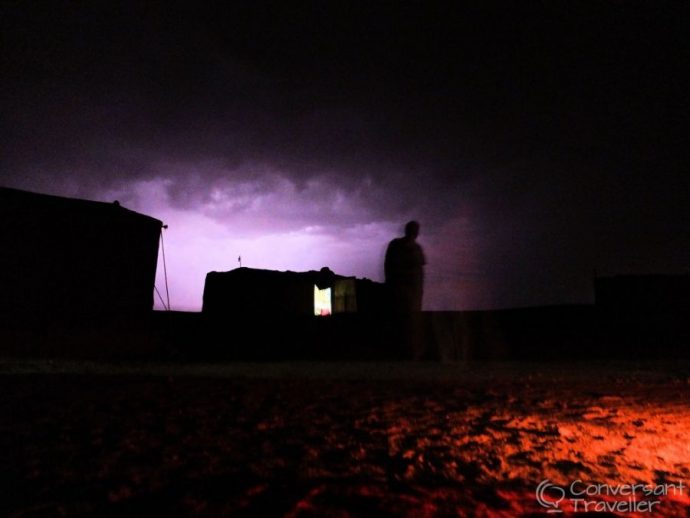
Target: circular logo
<point x="549" y="495"/>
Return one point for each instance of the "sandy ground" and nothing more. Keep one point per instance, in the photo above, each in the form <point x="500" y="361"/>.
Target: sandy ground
<point x="303" y="439"/>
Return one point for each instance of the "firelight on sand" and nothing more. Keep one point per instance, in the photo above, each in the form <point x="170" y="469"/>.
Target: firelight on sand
<point x="612" y="443"/>
<point x="596" y="444"/>
<point x="475" y="443"/>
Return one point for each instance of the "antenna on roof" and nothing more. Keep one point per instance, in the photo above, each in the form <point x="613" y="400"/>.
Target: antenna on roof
<point x="239" y="260"/>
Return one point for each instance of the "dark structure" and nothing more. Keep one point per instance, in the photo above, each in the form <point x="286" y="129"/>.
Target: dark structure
<point x="252" y="314"/>
<point x="267" y="292"/>
<point x="644" y="315"/>
<point x="643" y="293"/>
<point x="68" y="257"/>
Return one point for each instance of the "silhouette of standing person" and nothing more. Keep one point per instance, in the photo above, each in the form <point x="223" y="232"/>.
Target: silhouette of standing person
<point x="404" y="271"/>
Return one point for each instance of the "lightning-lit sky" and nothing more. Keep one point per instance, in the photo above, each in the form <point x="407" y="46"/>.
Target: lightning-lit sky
<point x="535" y="142"/>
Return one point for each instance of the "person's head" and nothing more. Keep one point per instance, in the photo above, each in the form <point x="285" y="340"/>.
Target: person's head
<point x="412" y="229"/>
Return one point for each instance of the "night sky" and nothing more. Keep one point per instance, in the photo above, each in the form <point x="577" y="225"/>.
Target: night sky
<point x="535" y="142"/>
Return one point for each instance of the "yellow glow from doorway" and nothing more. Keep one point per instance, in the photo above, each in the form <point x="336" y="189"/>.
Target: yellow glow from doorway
<point x="322" y="301"/>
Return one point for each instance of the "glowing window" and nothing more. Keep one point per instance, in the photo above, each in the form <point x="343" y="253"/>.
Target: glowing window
<point x="322" y="301"/>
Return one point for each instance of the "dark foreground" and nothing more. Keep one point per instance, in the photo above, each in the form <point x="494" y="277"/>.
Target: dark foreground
<point x="325" y="440"/>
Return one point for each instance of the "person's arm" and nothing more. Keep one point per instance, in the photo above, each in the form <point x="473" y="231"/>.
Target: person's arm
<point x="421" y="258"/>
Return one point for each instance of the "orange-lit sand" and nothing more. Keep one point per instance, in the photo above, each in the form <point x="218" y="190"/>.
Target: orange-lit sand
<point x="301" y="447"/>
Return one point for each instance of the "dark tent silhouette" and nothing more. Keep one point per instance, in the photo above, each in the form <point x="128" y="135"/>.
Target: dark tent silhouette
<point x="645" y="315"/>
<point x="64" y="256"/>
<point x="643" y="293"/>
<point x="267" y="292"/>
<point x="254" y="314"/>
